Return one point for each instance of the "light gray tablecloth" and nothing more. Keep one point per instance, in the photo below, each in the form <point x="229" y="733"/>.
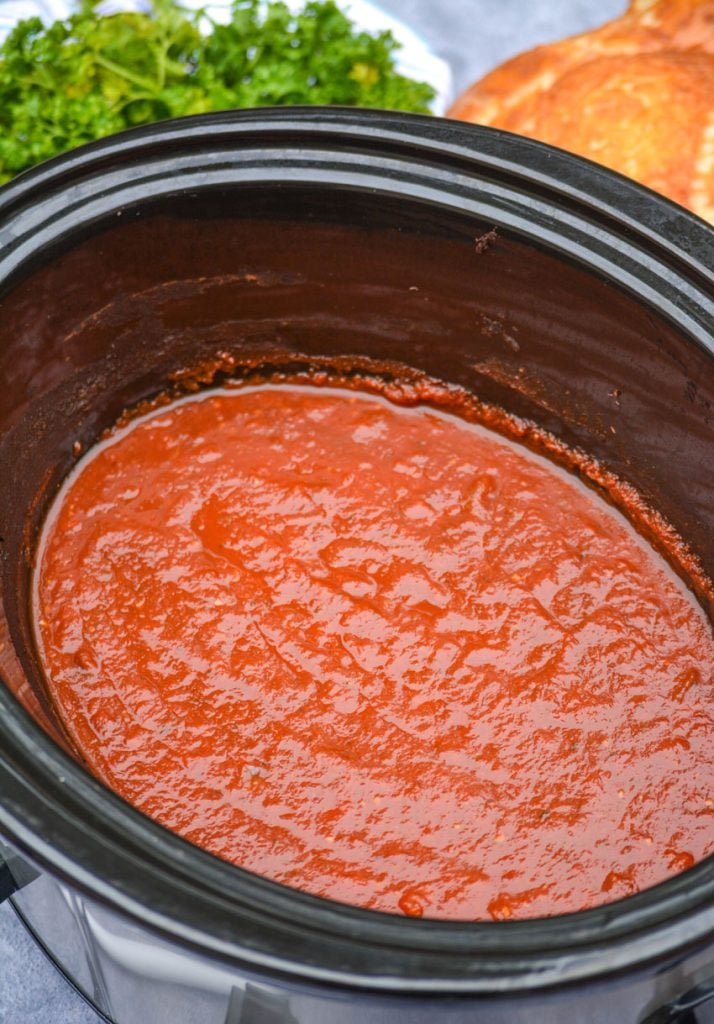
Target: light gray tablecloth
<point x="473" y="36"/>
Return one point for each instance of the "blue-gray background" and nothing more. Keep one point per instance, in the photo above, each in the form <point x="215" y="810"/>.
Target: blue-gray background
<point x="472" y="36"/>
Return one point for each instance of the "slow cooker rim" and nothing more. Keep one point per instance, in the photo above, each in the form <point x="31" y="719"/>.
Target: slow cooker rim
<point x="607" y="189"/>
<point x="644" y="219"/>
<point x="679" y="911"/>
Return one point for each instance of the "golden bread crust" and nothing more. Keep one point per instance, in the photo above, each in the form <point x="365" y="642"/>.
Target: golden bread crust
<point x="636" y="95"/>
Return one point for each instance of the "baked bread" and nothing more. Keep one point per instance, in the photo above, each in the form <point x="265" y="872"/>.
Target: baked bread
<point x="636" y="95"/>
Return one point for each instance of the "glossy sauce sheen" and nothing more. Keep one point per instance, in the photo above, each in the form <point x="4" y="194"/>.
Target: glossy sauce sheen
<point x="379" y="654"/>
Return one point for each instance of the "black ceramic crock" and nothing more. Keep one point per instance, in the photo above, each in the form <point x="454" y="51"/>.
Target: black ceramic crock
<point x="307" y="238"/>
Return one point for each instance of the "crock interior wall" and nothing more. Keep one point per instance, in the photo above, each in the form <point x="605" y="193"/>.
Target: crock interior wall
<point x="100" y="323"/>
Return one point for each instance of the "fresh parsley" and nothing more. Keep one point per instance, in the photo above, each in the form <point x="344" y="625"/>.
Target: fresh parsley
<point x="80" y="79"/>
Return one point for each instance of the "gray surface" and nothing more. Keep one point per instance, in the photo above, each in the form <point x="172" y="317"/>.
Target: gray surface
<point x="31" y="991"/>
<point x="473" y="36"/>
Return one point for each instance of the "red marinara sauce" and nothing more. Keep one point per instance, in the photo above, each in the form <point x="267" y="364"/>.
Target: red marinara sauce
<point x="380" y="654"/>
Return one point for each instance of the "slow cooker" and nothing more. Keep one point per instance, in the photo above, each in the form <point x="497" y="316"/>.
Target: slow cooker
<point x="304" y="238"/>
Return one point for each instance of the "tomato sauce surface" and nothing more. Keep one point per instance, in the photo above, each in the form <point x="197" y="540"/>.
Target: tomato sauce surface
<point x="379" y="654"/>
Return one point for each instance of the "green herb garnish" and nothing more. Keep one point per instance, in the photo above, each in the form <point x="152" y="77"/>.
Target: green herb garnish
<point x="88" y="76"/>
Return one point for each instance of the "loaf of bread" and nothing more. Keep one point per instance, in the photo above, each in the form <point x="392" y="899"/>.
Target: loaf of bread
<point x="636" y="95"/>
